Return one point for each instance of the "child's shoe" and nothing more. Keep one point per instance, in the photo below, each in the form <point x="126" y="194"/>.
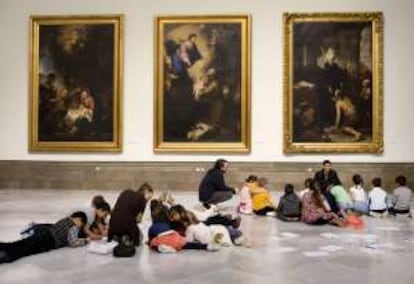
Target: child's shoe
<point x="213" y="247"/>
<point x="28" y="229"/>
<point x="166" y="249"/>
<point x="242" y="241"/>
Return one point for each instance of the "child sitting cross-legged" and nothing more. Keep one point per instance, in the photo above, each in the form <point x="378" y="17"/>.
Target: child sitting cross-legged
<point x="377" y="199"/>
<point x="245" y="206"/>
<point x="290" y="207"/>
<point x="261" y="199"/>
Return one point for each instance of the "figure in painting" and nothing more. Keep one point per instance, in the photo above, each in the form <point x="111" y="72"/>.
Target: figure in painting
<point x="332" y="97"/>
<point x="201" y="77"/>
<point x="76" y="83"/>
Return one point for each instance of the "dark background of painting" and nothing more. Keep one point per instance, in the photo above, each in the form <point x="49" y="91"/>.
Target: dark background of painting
<point x="181" y="111"/>
<point x="313" y="108"/>
<point x="83" y="58"/>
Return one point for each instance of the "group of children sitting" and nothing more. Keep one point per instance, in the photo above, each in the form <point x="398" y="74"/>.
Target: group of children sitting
<point x="175" y="227"/>
<point x="324" y="202"/>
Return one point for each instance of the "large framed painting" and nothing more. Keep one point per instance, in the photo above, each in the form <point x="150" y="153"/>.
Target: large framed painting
<point x="202" y="91"/>
<point x="75" y="76"/>
<point x="333" y="82"/>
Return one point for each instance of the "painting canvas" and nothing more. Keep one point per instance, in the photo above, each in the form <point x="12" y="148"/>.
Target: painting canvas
<point x="202" y="84"/>
<point x="75" y="83"/>
<point x="333" y="82"/>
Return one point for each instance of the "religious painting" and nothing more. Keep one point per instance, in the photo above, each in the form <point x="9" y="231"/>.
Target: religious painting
<point x="75" y="76"/>
<point x="333" y="82"/>
<point x="202" y="87"/>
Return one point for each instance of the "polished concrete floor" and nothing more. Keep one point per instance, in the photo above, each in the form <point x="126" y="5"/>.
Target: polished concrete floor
<point x="383" y="252"/>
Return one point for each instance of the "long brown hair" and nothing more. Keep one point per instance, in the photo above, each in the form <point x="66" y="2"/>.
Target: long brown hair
<point x="316" y="193"/>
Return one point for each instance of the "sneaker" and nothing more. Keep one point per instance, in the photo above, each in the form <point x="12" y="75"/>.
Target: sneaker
<point x="213" y="247"/>
<point x="239" y="241"/>
<point x="243" y="242"/>
<point x="166" y="249"/>
<point x="28" y="229"/>
<point x="271" y="214"/>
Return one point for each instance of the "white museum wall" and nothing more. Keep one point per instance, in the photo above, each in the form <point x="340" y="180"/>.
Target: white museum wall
<point x="266" y="79"/>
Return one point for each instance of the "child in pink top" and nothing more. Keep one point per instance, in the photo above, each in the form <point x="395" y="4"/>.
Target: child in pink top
<point x="245" y="206"/>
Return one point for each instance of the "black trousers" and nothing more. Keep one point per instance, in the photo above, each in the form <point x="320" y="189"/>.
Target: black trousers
<point x="41" y="241"/>
<point x="219" y="220"/>
<point x="195" y="246"/>
<point x="219" y="196"/>
<point x="394" y="212"/>
<point x="263" y="211"/>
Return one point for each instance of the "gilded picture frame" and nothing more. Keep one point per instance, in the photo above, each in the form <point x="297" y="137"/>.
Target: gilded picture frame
<point x="76" y="83"/>
<point x="202" y="86"/>
<point x="333" y="82"/>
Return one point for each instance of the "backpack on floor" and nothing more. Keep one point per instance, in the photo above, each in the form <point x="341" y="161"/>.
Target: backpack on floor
<point x="125" y="247"/>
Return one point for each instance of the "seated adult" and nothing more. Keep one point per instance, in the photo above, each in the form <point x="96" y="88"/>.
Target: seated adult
<point x="401" y="197"/>
<point x="326" y="174"/>
<point x="212" y="189"/>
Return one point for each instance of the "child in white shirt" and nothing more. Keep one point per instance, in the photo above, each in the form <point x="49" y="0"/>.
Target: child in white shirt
<point x="358" y="195"/>
<point x="377" y="199"/>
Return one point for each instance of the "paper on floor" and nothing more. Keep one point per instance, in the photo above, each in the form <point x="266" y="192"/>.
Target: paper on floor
<point x="390" y="229"/>
<point x="284" y="249"/>
<point x="331" y="248"/>
<point x="329" y="236"/>
<point x="317" y="253"/>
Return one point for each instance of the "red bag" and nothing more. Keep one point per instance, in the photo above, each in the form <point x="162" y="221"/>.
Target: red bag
<point x="354" y="221"/>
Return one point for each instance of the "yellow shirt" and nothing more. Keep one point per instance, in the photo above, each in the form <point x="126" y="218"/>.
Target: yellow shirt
<point x="261" y="198"/>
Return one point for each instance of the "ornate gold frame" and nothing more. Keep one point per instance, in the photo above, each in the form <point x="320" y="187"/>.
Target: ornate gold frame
<point x="36" y="22"/>
<point x="374" y="146"/>
<point x="242" y="146"/>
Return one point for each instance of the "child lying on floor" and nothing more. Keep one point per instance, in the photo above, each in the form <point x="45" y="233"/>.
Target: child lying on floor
<point x="162" y="235"/>
<point x="199" y="232"/>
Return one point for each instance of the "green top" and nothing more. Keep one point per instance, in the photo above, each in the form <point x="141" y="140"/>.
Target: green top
<point x="340" y="194"/>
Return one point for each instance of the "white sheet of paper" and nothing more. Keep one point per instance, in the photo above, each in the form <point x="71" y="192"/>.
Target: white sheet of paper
<point x="289" y="235"/>
<point x="389" y="229"/>
<point x="372" y="251"/>
<point x="369" y="237"/>
<point x="329" y="236"/>
<point x="285" y="236"/>
<point x="331" y="248"/>
<point x="317" y="253"/>
<point x="283" y="249"/>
